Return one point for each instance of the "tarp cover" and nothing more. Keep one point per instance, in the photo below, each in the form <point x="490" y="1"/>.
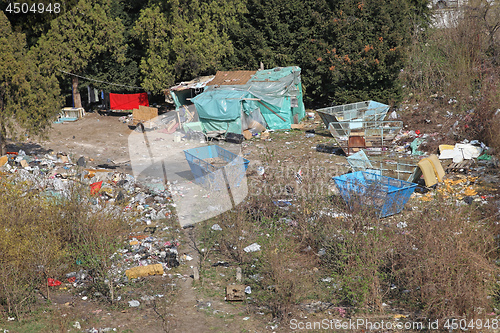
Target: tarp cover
<point x="273" y="92"/>
<point x="220" y="104"/>
<point x="127" y="101"/>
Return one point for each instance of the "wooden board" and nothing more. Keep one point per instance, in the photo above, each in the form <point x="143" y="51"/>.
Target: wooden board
<point x="463" y="166"/>
<point x="144" y="115"/>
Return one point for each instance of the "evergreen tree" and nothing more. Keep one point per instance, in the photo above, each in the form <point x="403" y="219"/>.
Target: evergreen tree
<point x="28" y="99"/>
<point x="35" y="17"/>
<point x="348" y="50"/>
<point x="125" y="75"/>
<point x="275" y="32"/>
<point x="184" y="38"/>
<point x="361" y="51"/>
<point x="78" y="38"/>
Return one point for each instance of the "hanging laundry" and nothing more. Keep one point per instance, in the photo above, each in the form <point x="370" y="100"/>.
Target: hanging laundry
<point x="127" y="101"/>
<point x="91" y="94"/>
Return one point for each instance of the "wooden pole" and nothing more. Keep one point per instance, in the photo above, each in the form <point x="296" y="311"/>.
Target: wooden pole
<point x="267" y="107"/>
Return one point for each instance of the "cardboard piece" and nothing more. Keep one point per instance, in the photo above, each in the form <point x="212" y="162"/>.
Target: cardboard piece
<point x="144" y="115"/>
<point x="3" y="160"/>
<point x="247" y="134"/>
<point x="235" y="292"/>
<point x="432" y="170"/>
<point x="297" y="126"/>
<point x="438" y="168"/>
<point x="142" y="271"/>
<point x="256" y="126"/>
<point x="427" y="169"/>
<point x="446" y="147"/>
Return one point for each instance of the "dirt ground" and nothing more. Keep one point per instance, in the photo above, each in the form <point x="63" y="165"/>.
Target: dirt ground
<point x="102" y="138"/>
<point x="107" y="141"/>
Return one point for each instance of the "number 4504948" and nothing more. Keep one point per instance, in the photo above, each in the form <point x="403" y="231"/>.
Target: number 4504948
<point x="36" y="8"/>
<point x="472" y="324"/>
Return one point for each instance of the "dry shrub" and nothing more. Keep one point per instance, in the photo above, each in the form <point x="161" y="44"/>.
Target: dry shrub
<point x="356" y="250"/>
<point x="42" y="237"/>
<point x="484" y="124"/>
<point x="285" y="273"/>
<point x="30" y="249"/>
<point x="448" y="60"/>
<point x="93" y="233"/>
<point x="280" y="273"/>
<point x="444" y="260"/>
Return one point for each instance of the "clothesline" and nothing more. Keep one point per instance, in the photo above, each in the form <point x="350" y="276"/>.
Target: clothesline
<point x="87" y="78"/>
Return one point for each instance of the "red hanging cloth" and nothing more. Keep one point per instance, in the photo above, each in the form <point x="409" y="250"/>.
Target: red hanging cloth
<point x="127" y="101"/>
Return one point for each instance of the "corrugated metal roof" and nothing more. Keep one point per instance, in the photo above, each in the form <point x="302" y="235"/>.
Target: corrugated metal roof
<point x="231" y="78"/>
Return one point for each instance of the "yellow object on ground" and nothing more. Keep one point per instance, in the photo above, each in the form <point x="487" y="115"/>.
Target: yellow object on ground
<point x="427" y="169"/>
<point x="469" y="191"/>
<point x="3" y="160"/>
<point x="431" y="169"/>
<point x="427" y="197"/>
<point x="141" y="271"/>
<point x="438" y="168"/>
<point x="446" y="147"/>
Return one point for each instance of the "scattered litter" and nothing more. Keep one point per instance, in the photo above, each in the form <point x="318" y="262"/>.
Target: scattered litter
<point x="53" y="283"/>
<point x="298" y="176"/>
<point x="402" y="225"/>
<point x="282" y="203"/>
<point x="216" y="227"/>
<point x="460" y="152"/>
<point x="221" y="263"/>
<point x="415" y="144"/>
<point x="252" y="248"/>
<point x="133" y="303"/>
<point x="484" y="157"/>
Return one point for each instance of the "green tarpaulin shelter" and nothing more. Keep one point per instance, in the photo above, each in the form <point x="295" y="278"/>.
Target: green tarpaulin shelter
<point x="232" y="101"/>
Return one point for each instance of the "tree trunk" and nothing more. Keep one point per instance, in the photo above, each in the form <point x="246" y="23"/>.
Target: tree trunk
<point x="1" y="144"/>
<point x="2" y="140"/>
<point x="77" y="100"/>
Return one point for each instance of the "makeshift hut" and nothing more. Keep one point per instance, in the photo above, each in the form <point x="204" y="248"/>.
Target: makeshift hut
<point x="238" y="100"/>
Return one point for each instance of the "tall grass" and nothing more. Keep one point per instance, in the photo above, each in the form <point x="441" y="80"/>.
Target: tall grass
<point x="44" y="237"/>
<point x="436" y="259"/>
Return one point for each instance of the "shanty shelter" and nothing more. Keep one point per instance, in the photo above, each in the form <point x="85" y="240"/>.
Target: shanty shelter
<point x="237" y="100"/>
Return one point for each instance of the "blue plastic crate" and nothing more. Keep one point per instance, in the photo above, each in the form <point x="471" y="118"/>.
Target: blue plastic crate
<point x="212" y="176"/>
<point x="385" y="194"/>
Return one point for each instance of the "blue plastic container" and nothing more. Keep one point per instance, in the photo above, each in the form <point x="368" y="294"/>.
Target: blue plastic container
<point x="385" y="194"/>
<point x="212" y="176"/>
<point x="63" y="119"/>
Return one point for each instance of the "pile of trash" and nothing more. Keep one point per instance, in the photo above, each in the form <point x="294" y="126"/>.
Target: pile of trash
<point x="150" y="251"/>
<point x="463" y="187"/>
